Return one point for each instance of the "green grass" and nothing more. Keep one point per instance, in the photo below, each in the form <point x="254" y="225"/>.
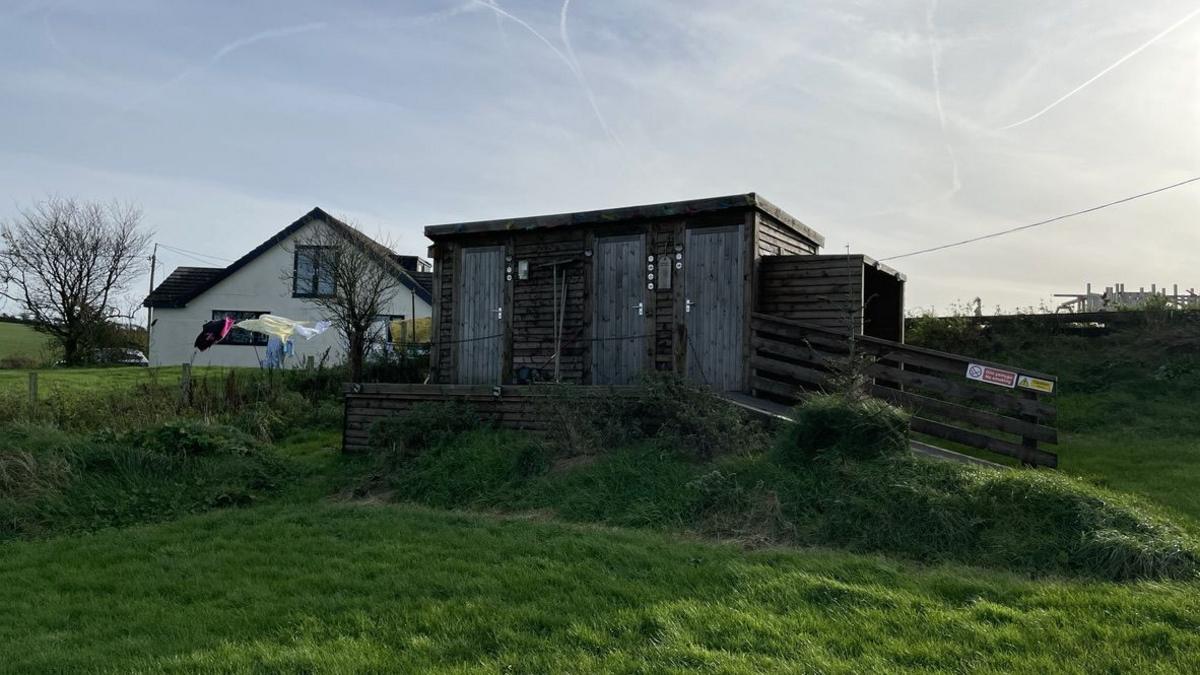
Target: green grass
<point x="342" y="587"/>
<point x="20" y="340"/>
<point x="88" y="380"/>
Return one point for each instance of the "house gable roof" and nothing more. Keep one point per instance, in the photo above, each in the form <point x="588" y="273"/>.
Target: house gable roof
<point x="628" y="213"/>
<point x="187" y="283"/>
<point x="180" y="285"/>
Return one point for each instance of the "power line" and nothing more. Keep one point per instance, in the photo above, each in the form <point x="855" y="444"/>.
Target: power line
<point x="1042" y="222"/>
<point x="193" y="254"/>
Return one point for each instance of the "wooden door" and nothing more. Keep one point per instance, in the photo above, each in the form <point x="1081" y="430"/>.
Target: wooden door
<point x="480" y="310"/>
<point x="618" y="310"/>
<point x="714" y="306"/>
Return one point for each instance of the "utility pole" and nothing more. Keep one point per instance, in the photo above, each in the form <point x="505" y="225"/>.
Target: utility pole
<point x="150" y="310"/>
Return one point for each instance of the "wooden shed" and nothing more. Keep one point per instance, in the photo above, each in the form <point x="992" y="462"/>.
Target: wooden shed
<point x="599" y="297"/>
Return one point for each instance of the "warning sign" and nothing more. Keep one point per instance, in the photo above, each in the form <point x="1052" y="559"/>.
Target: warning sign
<point x="1044" y="386"/>
<point x="1000" y="378"/>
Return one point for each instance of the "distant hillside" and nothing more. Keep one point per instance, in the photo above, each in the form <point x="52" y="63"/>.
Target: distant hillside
<point x="19" y="340"/>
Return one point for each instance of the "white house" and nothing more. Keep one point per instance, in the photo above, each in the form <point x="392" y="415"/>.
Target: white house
<point x="258" y="283"/>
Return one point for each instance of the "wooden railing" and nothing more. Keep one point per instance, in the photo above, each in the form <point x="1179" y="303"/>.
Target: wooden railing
<point x="942" y="390"/>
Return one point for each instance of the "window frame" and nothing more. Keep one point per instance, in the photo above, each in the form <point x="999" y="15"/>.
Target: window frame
<point x="256" y="339"/>
<point x="315" y="281"/>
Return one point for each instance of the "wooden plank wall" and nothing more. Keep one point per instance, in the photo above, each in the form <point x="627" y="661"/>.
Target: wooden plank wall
<point x="527" y="408"/>
<point x="445" y="270"/>
<point x="820" y="289"/>
<point x="775" y="239"/>
<point x="662" y="307"/>
<point x="533" y="303"/>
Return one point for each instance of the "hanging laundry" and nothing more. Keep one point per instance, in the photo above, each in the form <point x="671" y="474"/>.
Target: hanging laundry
<point x="310" y="333"/>
<point x="213" y="332"/>
<point x="284" y="328"/>
<point x="275" y="353"/>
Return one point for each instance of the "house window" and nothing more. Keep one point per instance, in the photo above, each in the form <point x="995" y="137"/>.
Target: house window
<point x="238" y="336"/>
<point x="391" y="329"/>
<point x="313" y="272"/>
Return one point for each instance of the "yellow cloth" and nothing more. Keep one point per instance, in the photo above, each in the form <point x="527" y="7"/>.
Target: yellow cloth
<point x="269" y="324"/>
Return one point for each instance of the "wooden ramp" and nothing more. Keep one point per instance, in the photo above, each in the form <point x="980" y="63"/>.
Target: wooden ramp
<point x="780" y="412"/>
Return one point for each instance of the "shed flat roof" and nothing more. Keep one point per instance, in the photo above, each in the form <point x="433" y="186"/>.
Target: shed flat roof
<point x="628" y="213"/>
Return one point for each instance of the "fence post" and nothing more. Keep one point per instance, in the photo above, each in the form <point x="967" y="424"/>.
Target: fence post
<point x="1026" y="442"/>
<point x="185" y="384"/>
<point x="33" y="390"/>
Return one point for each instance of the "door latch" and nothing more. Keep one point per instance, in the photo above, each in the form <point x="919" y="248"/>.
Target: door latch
<point x="499" y="311"/>
<point x="687" y="306"/>
<point x="641" y="308"/>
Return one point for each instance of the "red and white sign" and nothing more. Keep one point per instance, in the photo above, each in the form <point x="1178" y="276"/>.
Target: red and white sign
<point x="1000" y="378"/>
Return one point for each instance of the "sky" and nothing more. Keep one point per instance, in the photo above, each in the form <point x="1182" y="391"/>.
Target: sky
<point x="887" y="126"/>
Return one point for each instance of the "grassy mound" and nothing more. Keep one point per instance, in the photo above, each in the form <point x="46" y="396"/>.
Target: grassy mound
<point x="813" y="489"/>
<point x="53" y="481"/>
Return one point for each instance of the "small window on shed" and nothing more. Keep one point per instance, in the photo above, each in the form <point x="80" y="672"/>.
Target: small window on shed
<point x="313" y="276"/>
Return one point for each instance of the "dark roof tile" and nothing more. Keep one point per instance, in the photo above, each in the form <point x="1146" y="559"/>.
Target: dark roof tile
<point x="181" y="285"/>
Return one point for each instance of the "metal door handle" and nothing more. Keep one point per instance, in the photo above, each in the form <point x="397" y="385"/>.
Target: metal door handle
<point x="499" y="312"/>
<point x="687" y="306"/>
<point x="641" y="308"/>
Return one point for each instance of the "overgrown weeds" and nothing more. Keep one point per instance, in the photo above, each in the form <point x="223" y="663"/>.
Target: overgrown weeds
<point x="267" y="404"/>
<point x="666" y="410"/>
<point x="833" y="425"/>
<point x="53" y="481"/>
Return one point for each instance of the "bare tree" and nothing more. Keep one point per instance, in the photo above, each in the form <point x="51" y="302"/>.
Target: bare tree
<point x="68" y="264"/>
<point x="351" y="277"/>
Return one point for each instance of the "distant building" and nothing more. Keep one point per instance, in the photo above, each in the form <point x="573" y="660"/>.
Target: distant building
<point x="257" y="283"/>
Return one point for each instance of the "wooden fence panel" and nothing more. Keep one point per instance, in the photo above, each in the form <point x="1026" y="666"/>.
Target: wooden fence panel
<point x="511" y="407"/>
<point x="790" y="357"/>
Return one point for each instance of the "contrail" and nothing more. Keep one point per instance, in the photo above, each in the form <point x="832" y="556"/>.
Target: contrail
<point x="499" y="23"/>
<point x="566" y="38"/>
<point x="587" y="90"/>
<point x="935" y="58"/>
<point x="1104" y="72"/>
<point x="221" y="53"/>
<point x="263" y="35"/>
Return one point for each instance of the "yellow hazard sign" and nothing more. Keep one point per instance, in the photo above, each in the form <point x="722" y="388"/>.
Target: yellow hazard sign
<point x="1044" y="386"/>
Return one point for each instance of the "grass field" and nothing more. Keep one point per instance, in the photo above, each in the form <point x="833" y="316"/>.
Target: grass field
<point x="84" y="380"/>
<point x="19" y="340"/>
<point x="345" y="587"/>
<point x="311" y="580"/>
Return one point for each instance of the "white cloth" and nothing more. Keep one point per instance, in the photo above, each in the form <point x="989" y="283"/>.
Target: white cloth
<point x="282" y="327"/>
<point x="310" y="333"/>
